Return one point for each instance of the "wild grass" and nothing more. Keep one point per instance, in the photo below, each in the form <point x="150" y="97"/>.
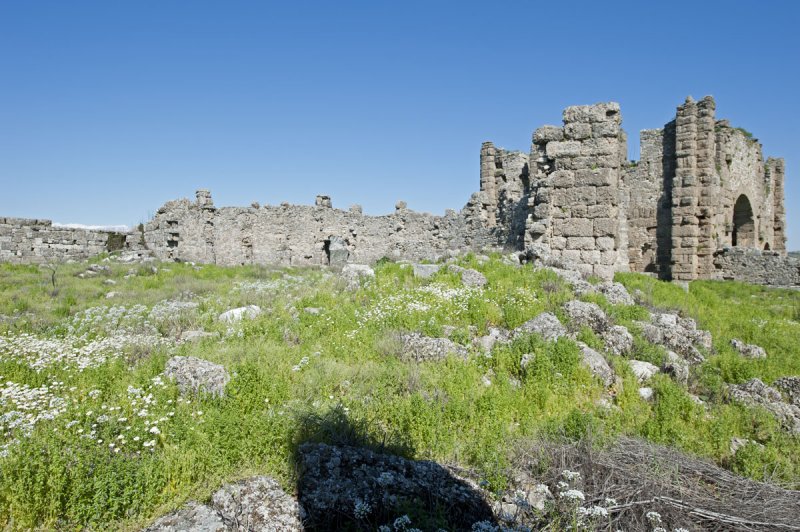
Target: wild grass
<point x="290" y="367"/>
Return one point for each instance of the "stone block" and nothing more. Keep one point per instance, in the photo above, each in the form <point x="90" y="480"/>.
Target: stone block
<point x="607" y="196"/>
<point x="591" y="256"/>
<point x="563" y="178"/>
<point x="600" y="211"/>
<point x="600" y="146"/>
<point x="578" y="131"/>
<point x="567" y="148"/>
<point x="596" y="177"/>
<point x="577" y="227"/>
<point x="581" y="242"/>
<point x="605" y="243"/>
<point x="601" y="112"/>
<point x="581" y="196"/>
<point x="606" y="227"/>
<point x="571" y="255"/>
<point x="603" y="271"/>
<point x="548" y="134"/>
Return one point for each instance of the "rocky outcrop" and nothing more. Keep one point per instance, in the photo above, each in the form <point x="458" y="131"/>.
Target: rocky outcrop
<point x="355" y="274"/>
<point x="618" y="340"/>
<point x="755" y="393"/>
<point x="595" y="362"/>
<point x="468" y="276"/>
<point x="791" y="387"/>
<point x="677" y="334"/>
<point x="194" y="376"/>
<point x="643" y="370"/>
<point x="341" y="484"/>
<point x="252" y="505"/>
<point x="583" y="314"/>
<point x="419" y="348"/>
<point x="545" y="325"/>
<point x="748" y="350"/>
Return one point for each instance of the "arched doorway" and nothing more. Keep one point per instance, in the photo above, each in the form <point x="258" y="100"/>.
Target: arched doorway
<point x="744" y="228"/>
<point x="766" y="246"/>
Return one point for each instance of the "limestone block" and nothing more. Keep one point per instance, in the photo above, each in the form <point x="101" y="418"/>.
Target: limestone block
<point x="577" y="131"/>
<point x="590" y="257"/>
<point x="605" y="243"/>
<point x="596" y="177"/>
<point x="577" y="227"/>
<point x="581" y="242"/>
<point x="567" y="148"/>
<point x="602" y="112"/>
<point x="563" y="178"/>
<point x="548" y="134"/>
<point x="605" y="227"/>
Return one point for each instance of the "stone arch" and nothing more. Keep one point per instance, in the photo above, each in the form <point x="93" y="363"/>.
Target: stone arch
<point x="744" y="226"/>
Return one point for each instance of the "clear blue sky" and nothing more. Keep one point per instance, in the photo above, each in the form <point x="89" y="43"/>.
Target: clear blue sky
<point x="109" y="109"/>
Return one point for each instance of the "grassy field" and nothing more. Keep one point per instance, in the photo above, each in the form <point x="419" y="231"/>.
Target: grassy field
<point x="94" y="436"/>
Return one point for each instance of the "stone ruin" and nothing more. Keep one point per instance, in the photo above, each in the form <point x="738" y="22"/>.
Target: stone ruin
<point x="701" y="203"/>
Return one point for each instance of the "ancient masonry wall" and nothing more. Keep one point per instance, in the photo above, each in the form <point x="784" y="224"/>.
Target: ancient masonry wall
<point x="294" y="235"/>
<point x="758" y="267"/>
<point x="575" y="208"/>
<point x="700" y="187"/>
<point x="24" y="240"/>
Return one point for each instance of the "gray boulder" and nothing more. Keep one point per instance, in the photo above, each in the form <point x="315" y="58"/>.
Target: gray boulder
<point x="586" y="314"/>
<point x="253" y="505"/>
<point x="414" y="346"/>
<point x="677" y="334"/>
<point x="238" y="314"/>
<point x="337" y="251"/>
<point x="355" y="274"/>
<point x="676" y="367"/>
<point x="425" y="271"/>
<point x="194" y="375"/>
<point x="643" y="370"/>
<point x="258" y="503"/>
<point x="618" y="340"/>
<point x="595" y="362"/>
<point x="545" y="325"/>
<point x="791" y="387"/>
<point x="469" y="277"/>
<point x="487" y="342"/>
<point x="755" y="393"/>
<point x="195" y="336"/>
<point x="748" y="350"/>
<point x="615" y="293"/>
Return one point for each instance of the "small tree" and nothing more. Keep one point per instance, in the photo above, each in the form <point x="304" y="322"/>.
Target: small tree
<point x="52" y="267"/>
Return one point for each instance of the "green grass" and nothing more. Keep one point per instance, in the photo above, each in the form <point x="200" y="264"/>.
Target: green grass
<point x="57" y="477"/>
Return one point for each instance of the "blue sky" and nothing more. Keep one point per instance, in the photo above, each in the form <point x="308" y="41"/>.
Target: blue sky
<point x="109" y="109"/>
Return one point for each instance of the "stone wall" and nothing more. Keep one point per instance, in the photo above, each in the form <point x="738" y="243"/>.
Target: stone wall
<point x="296" y="235"/>
<point x="24" y="240"/>
<point x="758" y="267"/>
<point x="575" y="207"/>
<point x="700" y="186"/>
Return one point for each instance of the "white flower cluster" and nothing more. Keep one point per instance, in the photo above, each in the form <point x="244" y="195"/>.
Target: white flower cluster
<point x="434" y="298"/>
<point x="71" y="352"/>
<point x="23" y="407"/>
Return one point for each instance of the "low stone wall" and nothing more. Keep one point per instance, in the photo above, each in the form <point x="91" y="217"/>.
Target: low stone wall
<point x="758" y="267"/>
<point x="298" y="235"/>
<point x="24" y="240"/>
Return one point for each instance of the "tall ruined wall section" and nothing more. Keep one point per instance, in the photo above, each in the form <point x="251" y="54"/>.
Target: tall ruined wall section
<point x="648" y="193"/>
<point x="24" y="241"/>
<point x="296" y="235"/>
<point x="502" y="202"/>
<point x="576" y="198"/>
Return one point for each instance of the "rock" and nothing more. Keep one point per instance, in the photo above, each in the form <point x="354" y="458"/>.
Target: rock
<point x="755" y="393"/>
<point x="258" y="503"/>
<point x="791" y="387"/>
<point x="646" y="393"/>
<point x="643" y="370"/>
<point x="526" y="360"/>
<point x="595" y="362"/>
<point x="618" y="340"/>
<point x="110" y="282"/>
<point x="419" y="348"/>
<point x="336" y="480"/>
<point x="355" y="274"/>
<point x="195" y="336"/>
<point x="255" y="504"/>
<point x="545" y="325"/>
<point x="425" y="271"/>
<point x="677" y="334"/>
<point x="194" y="375"/>
<point x="739" y="443"/>
<point x="314" y="311"/>
<point x="238" y="314"/>
<point x="677" y="368"/>
<point x="193" y="516"/>
<point x="615" y="293"/>
<point x="111" y="295"/>
<point x="748" y="350"/>
<point x="586" y="314"/>
<point x="469" y="277"/>
<point x="486" y="343"/>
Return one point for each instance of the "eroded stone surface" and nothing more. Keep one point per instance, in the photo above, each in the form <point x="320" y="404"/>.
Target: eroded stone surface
<point x="545" y="325"/>
<point x="194" y="375"/>
<point x="755" y="393"/>
<point x="748" y="350"/>
<point x="238" y="314"/>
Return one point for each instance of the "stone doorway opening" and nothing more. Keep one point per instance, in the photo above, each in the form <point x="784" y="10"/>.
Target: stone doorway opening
<point x="744" y="227"/>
